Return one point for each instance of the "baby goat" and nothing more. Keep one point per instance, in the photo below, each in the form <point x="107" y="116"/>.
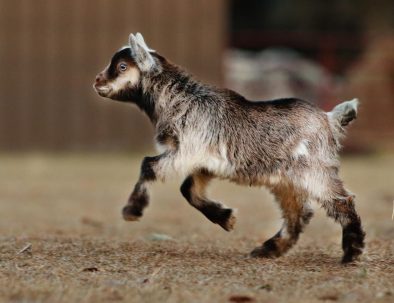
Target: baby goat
<point x="202" y="132"/>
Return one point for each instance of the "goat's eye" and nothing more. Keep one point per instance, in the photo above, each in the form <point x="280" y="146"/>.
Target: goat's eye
<point x="122" y="67"/>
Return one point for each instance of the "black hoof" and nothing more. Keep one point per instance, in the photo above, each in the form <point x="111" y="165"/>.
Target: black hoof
<point x="351" y="256"/>
<point x="352" y="242"/>
<point x="131" y="214"/>
<point x="135" y="206"/>
<point x="353" y="251"/>
<point x="221" y="216"/>
<point x="268" y="250"/>
<point x="228" y="219"/>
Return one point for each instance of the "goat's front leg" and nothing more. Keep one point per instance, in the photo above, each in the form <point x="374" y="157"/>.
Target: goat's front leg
<point x="139" y="198"/>
<point x="193" y="189"/>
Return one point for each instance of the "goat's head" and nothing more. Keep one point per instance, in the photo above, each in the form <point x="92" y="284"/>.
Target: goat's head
<point x="121" y="79"/>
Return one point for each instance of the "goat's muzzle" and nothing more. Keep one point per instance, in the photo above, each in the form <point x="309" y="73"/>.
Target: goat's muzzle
<point x="101" y="85"/>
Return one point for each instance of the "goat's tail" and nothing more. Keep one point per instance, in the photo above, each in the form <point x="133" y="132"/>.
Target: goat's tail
<point x="341" y="115"/>
<point x="345" y="112"/>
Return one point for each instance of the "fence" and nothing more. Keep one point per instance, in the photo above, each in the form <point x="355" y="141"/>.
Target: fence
<point x="51" y="50"/>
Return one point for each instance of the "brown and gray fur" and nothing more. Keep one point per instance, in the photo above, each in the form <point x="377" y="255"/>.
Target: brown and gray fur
<point x="202" y="132"/>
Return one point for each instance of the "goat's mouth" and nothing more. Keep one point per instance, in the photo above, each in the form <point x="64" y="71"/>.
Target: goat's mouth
<point x="103" y="90"/>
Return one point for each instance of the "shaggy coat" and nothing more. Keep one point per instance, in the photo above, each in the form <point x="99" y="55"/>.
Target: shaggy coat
<point x="202" y="132"/>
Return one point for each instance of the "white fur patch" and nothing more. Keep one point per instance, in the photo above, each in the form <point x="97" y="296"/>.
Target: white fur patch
<point x="274" y="179"/>
<point x="161" y="148"/>
<point x="195" y="154"/>
<point x="283" y="231"/>
<point x="314" y="182"/>
<point x="127" y="79"/>
<point x="301" y="149"/>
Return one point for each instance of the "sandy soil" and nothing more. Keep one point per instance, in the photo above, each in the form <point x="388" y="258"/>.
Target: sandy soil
<point x="63" y="239"/>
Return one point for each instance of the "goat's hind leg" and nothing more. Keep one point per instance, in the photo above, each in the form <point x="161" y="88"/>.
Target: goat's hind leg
<point x="342" y="209"/>
<point x="296" y="213"/>
<point x="194" y="188"/>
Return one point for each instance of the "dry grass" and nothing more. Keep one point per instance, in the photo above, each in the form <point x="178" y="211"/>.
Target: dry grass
<point x="63" y="240"/>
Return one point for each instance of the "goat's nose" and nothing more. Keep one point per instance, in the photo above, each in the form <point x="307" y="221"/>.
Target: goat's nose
<point x="99" y="77"/>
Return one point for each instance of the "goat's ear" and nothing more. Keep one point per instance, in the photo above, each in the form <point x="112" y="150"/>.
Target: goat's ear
<point x="140" y="53"/>
<point x="141" y="42"/>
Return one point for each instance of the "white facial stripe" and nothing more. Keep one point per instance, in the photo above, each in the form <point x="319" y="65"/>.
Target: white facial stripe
<point x="128" y="78"/>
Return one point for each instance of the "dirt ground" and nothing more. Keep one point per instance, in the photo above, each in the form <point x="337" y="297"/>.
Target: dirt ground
<point x="62" y="239"/>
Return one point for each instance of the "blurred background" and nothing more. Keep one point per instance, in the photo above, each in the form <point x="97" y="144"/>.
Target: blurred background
<point x="322" y="51"/>
<point x="68" y="158"/>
